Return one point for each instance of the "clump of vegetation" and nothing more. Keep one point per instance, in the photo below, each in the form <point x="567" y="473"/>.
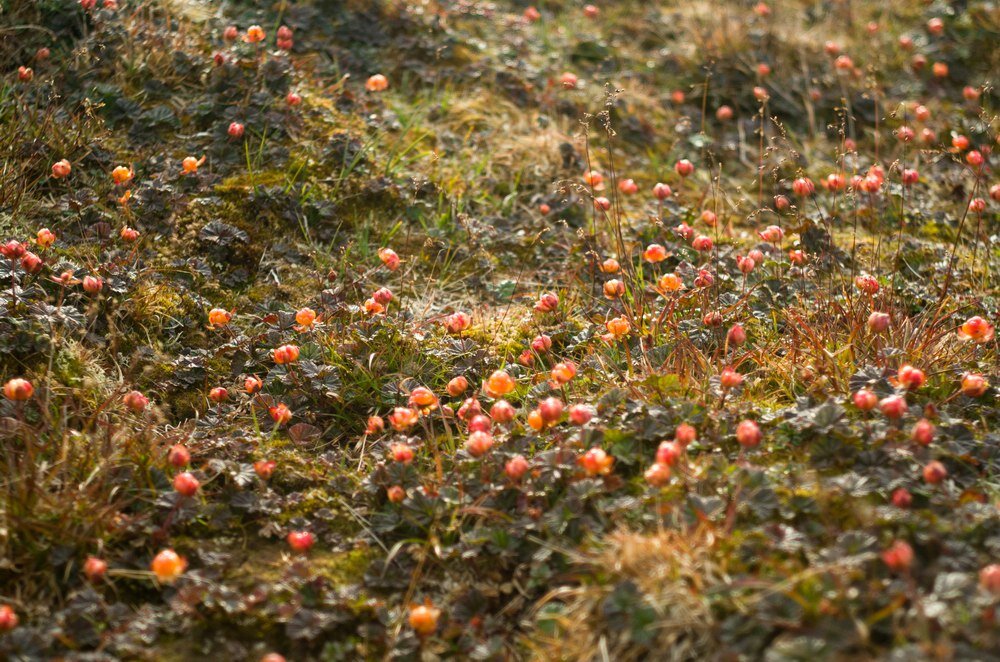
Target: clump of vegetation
<point x="495" y="331"/>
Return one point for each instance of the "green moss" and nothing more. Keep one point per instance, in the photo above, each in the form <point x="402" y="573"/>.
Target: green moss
<point x="269" y="564"/>
<point x="342" y="567"/>
<point x="242" y="183"/>
<point x="69" y="367"/>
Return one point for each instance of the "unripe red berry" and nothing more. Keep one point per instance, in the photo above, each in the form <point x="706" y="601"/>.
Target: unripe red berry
<point x="94" y="569"/>
<point x="551" y="409"/>
<point x="186" y="484"/>
<point x="899" y="556"/>
<point x="748" y="434"/>
<point x="935" y="472"/>
<point x="516" y="467"/>
<point x="893" y="407"/>
<point x="178" y="456"/>
<point x="301" y="541"/>
<point x="480" y="423"/>
<point x="923" y="432"/>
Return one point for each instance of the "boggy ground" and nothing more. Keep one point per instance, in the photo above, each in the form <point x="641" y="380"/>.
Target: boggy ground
<point x="682" y="347"/>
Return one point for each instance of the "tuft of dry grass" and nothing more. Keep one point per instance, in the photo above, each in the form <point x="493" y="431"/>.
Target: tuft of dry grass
<point x="673" y="573"/>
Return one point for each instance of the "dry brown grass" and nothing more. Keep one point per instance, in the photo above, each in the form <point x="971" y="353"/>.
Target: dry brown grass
<point x="674" y="571"/>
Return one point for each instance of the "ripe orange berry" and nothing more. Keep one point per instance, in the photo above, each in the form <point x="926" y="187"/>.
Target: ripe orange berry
<point x="596" y="462"/>
<point x="45" y="238"/>
<point x="535" y="420"/>
<point x="61" y="169"/>
<point x="618" y="327"/>
<point x="396" y="494"/>
<point x="403" y="418"/>
<point x="168" y="566"/>
<point x="255" y="34"/>
<point x="424" y="619"/>
<point x="867" y="284"/>
<point x="563" y="372"/>
<point x="286" y="354"/>
<point x="613" y="289"/>
<point x="122" y="175"/>
<point x="374" y="425"/>
<point x="654" y="253"/>
<point x="377" y="83"/>
<point x="499" y="383"/>
<point x="280" y="413"/>
<point x="190" y="164"/>
<point x="670" y="283"/>
<point x="974" y="385"/>
<point x="252" y="384"/>
<point x="729" y="378"/>
<point x="264" y="468"/>
<point x="457" y="386"/>
<point x="977" y="330"/>
<point x="219" y="317"/>
<point x="594" y="179"/>
<point x="657" y="474"/>
<point x="422" y="397"/>
<point x="389" y="258"/>
<point x="610" y="266"/>
<point x="305" y="317"/>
